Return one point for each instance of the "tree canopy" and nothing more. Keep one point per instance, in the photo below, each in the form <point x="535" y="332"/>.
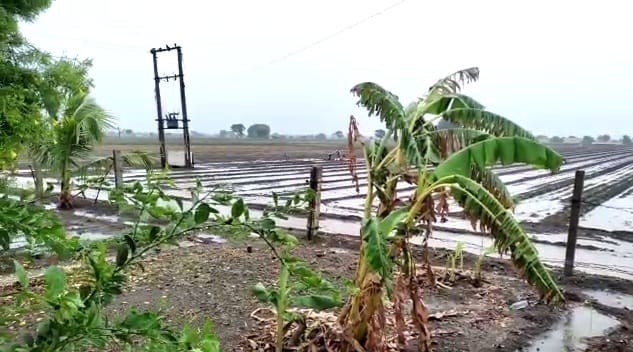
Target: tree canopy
<point x="238" y="129"/>
<point x="259" y="130"/>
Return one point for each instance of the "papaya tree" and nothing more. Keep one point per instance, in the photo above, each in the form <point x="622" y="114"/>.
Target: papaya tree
<point x="449" y="162"/>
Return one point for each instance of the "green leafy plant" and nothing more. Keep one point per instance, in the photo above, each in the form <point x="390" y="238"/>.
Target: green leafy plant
<point x="442" y="163"/>
<point x="451" y="261"/>
<point x="75" y="315"/>
<point x="297" y="284"/>
<point x="477" y="279"/>
<point x="35" y="225"/>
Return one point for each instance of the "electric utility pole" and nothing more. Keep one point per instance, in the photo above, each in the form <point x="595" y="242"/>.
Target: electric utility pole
<point x="171" y="118"/>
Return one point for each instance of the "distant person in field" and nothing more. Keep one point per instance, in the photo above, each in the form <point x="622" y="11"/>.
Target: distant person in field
<point x="338" y="154"/>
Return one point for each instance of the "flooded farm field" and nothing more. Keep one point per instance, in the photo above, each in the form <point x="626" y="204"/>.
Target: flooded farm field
<point x="604" y="255"/>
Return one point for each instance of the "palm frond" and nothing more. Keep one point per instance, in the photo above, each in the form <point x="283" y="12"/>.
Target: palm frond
<point x="137" y="158"/>
<point x="486" y="121"/>
<point x="381" y="102"/>
<point x="504" y="150"/>
<point x="507" y="233"/>
<point x="453" y="83"/>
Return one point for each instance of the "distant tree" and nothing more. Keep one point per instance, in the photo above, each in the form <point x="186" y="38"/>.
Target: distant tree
<point x="277" y="136"/>
<point x="556" y="139"/>
<point x="320" y="137"/>
<point x="226" y="134"/>
<point x="379" y="133"/>
<point x="604" y="138"/>
<point x="626" y="140"/>
<point x="258" y="130"/>
<point x="128" y="132"/>
<point x="572" y="137"/>
<point x="587" y="140"/>
<point x="238" y="129"/>
<point x="339" y="134"/>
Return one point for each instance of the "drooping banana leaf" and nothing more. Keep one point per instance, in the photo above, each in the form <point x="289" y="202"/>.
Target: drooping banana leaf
<point x="504" y="150"/>
<point x="507" y="233"/>
<point x="485" y="121"/>
<point x="491" y="182"/>
<point x="453" y="82"/>
<point x="379" y="101"/>
<point x="451" y="101"/>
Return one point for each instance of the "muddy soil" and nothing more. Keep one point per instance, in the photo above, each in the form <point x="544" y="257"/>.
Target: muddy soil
<point x="214" y="281"/>
<point x="236" y="151"/>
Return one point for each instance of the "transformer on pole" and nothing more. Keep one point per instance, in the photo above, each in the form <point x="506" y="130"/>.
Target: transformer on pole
<point x="172" y="120"/>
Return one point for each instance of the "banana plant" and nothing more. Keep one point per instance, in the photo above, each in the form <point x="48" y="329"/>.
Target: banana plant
<point x="443" y="163"/>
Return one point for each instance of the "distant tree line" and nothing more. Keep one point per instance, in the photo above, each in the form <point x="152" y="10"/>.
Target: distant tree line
<point x="586" y="140"/>
<point x="263" y="131"/>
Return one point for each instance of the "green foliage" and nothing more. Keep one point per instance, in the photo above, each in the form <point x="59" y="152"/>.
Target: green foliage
<point x="588" y="140"/>
<point x="297" y="284"/>
<point x="508" y="235"/>
<point x="75" y="315"/>
<point x="462" y="153"/>
<point x="238" y="129"/>
<point x="504" y="150"/>
<point x="451" y="261"/>
<point x="38" y="226"/>
<point x="259" y="131"/>
<point x="626" y="140"/>
<point x="480" y="260"/>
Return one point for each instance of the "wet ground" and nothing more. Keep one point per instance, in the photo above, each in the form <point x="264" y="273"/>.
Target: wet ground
<point x="213" y="280"/>
<point x="206" y="271"/>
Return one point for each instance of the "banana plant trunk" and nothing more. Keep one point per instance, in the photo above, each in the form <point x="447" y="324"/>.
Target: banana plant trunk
<point x="360" y="310"/>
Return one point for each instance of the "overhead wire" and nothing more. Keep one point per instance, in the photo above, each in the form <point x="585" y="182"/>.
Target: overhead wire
<point x="332" y="35"/>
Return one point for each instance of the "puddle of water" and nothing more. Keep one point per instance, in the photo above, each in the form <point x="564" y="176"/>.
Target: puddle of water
<point x="611" y="299"/>
<point x="91" y="236"/>
<point x="211" y="238"/>
<point x="569" y="333"/>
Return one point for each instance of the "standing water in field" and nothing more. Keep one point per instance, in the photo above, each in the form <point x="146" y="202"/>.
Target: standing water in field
<point x="569" y="333"/>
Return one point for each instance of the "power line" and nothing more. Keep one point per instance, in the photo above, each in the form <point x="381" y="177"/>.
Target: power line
<point x="330" y="36"/>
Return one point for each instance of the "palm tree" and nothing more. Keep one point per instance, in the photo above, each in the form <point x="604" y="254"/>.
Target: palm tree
<point x="453" y="161"/>
<point x="81" y="125"/>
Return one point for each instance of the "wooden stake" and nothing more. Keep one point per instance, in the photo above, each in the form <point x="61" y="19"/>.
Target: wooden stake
<point x="118" y="168"/>
<point x="574" y="217"/>
<point x="315" y="203"/>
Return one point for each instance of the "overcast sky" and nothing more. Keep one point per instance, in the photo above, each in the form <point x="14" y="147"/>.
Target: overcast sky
<point x="556" y="67"/>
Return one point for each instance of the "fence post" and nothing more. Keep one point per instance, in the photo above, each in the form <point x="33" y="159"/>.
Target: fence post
<point x="118" y="168"/>
<point x="573" y="222"/>
<point x="315" y="203"/>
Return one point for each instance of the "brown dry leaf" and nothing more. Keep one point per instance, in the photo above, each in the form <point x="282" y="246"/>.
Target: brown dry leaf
<point x="352" y="137"/>
<point x="399" y="298"/>
<point x="420" y="316"/>
<point x="447" y="314"/>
